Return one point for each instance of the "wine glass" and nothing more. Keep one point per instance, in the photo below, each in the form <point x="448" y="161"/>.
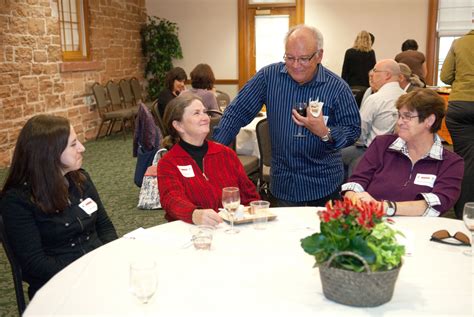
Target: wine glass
<point x="231" y="202"/>
<point x="468" y="217"/>
<point x="300" y="107"/>
<point x="143" y="279"/>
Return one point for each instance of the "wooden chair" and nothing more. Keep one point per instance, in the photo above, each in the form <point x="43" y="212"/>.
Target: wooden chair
<point x="265" y="148"/>
<point x="158" y="120"/>
<point x="106" y="112"/>
<point x="127" y="96"/>
<point x="16" y="269"/>
<point x="136" y="89"/>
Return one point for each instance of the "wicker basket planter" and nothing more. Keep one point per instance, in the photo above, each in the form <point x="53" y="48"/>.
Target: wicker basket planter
<point x="365" y="289"/>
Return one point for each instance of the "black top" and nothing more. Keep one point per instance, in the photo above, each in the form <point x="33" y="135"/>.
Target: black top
<point x="46" y="243"/>
<point x="196" y="152"/>
<point x="356" y="67"/>
<point x="164" y="97"/>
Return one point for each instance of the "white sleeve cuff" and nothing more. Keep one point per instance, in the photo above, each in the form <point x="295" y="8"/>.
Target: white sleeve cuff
<point x="355" y="187"/>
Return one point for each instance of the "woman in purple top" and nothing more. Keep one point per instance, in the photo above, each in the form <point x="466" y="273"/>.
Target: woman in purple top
<point x="411" y="173"/>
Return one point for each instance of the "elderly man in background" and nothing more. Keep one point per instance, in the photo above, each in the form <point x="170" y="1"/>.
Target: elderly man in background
<point x="378" y="112"/>
<point x="306" y="166"/>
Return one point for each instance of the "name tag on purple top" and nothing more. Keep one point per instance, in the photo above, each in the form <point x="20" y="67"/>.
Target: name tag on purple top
<point x="425" y="179"/>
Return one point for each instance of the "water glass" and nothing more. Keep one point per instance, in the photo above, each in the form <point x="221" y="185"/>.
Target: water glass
<point x="468" y="217"/>
<point x="202" y="237"/>
<point x="143" y="279"/>
<point x="259" y="210"/>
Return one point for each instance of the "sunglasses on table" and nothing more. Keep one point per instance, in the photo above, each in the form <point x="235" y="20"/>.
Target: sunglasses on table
<point x="442" y="236"/>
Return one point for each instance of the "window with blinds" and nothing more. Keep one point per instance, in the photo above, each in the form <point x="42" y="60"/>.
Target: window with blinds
<point x="455" y="18"/>
<point x="73" y="21"/>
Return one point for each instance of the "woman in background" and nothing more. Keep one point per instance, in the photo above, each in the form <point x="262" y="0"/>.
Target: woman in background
<point x="194" y="171"/>
<point x="51" y="210"/>
<point x="358" y="61"/>
<point x="412" y="173"/>
<point x="174" y="85"/>
<point x="202" y="83"/>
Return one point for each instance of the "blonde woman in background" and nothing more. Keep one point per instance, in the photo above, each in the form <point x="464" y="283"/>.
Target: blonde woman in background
<point x="358" y="61"/>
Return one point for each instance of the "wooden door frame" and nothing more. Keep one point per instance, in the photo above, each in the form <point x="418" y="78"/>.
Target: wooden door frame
<point x="244" y="32"/>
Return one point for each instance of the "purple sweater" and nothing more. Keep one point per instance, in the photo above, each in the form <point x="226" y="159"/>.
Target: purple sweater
<point x="388" y="174"/>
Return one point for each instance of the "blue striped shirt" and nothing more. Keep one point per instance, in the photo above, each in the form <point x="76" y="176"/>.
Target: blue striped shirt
<point x="303" y="169"/>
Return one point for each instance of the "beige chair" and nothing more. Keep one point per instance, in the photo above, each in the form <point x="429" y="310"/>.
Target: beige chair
<point x="265" y="148"/>
<point x="107" y="113"/>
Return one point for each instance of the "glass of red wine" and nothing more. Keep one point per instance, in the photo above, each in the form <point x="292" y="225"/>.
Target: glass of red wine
<point x="300" y="107"/>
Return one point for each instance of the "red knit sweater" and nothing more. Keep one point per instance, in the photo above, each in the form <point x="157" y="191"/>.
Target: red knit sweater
<point x="184" y="187"/>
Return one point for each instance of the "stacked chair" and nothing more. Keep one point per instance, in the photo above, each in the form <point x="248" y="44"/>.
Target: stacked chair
<point x="110" y="112"/>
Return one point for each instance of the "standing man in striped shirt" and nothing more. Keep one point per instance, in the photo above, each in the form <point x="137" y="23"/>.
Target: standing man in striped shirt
<point x="306" y="169"/>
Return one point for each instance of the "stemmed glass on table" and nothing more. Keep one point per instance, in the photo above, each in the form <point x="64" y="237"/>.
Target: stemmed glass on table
<point x="143" y="279"/>
<point x="231" y="202"/>
<point x="468" y="217"/>
<point x="300" y="107"/>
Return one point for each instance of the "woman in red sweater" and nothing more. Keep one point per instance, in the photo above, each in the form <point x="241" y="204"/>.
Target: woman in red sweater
<point x="192" y="174"/>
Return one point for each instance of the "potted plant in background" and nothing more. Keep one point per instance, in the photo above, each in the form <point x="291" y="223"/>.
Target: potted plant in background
<point x="160" y="44"/>
<point x="357" y="253"/>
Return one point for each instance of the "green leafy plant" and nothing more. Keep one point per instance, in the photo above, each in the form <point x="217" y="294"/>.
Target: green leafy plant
<point x="357" y="227"/>
<point x="160" y="44"/>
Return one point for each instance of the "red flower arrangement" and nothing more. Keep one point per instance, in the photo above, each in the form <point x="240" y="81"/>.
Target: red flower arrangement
<point x="359" y="227"/>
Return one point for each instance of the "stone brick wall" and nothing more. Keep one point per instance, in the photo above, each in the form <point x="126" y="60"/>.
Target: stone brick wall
<point x="33" y="77"/>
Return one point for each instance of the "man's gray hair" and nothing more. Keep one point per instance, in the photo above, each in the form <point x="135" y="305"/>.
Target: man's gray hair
<point x="317" y="35"/>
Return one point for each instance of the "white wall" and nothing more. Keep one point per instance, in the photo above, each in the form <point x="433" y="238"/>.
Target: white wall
<point x="391" y="22"/>
<point x="208" y="29"/>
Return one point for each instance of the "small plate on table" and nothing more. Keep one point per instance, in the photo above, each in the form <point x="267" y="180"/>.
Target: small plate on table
<point x="246" y="218"/>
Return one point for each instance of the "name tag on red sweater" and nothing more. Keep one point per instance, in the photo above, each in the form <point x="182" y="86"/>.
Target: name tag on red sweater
<point x="425" y="179"/>
<point x="186" y="171"/>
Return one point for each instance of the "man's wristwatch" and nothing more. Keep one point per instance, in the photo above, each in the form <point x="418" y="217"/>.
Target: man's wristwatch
<point x="391" y="208"/>
<point x="327" y="137"/>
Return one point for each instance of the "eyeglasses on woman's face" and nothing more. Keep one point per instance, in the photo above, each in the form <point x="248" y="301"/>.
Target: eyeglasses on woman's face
<point x="406" y="116"/>
<point x="303" y="60"/>
<point x="442" y="236"/>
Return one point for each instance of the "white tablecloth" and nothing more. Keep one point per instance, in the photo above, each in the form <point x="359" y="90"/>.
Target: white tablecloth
<point x="262" y="272"/>
<point x="247" y="138"/>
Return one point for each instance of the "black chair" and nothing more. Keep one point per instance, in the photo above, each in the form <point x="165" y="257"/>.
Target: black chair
<point x="249" y="162"/>
<point x="16" y="269"/>
<point x="265" y="148"/>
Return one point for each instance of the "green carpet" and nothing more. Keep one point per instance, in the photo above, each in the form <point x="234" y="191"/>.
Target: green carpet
<point x="110" y="163"/>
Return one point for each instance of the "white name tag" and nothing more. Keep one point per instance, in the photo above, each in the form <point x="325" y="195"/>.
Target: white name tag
<point x="425" y="179"/>
<point x="89" y="206"/>
<point x="186" y="171"/>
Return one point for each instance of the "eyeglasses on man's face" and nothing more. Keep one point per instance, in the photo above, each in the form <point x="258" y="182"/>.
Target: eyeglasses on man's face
<point x="442" y="236"/>
<point x="406" y="116"/>
<point x="303" y="60"/>
<point x="375" y="70"/>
